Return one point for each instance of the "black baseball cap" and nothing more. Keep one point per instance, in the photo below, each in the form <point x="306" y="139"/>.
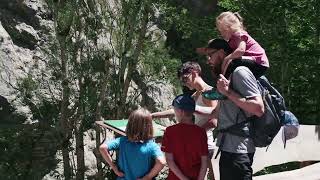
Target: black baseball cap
<point x="215" y="44"/>
<point x="184" y="102"/>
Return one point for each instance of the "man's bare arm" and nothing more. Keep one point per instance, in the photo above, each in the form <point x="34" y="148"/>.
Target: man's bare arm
<point x="252" y="105"/>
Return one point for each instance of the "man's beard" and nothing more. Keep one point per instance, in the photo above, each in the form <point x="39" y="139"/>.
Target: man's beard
<point x="215" y="71"/>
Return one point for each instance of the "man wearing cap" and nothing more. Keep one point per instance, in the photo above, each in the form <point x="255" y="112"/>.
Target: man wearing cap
<point x="242" y="93"/>
<point x="185" y="144"/>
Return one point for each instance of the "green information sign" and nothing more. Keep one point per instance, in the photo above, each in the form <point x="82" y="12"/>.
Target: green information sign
<point x="121" y="125"/>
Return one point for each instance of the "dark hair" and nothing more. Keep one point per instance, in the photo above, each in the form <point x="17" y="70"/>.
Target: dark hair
<point x="220" y="44"/>
<point x="184" y="102"/>
<point x="188" y="67"/>
<point x="139" y="127"/>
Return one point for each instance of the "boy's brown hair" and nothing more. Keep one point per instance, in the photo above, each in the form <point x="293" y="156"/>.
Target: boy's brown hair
<point x="139" y="127"/>
<point x="187" y="67"/>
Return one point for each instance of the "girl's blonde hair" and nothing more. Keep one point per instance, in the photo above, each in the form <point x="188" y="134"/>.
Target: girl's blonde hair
<point x="139" y="127"/>
<point x="232" y="20"/>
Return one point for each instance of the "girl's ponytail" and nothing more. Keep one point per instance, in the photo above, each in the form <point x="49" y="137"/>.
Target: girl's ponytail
<point x="239" y="18"/>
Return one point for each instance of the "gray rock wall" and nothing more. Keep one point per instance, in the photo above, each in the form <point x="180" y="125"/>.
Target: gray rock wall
<point x="24" y="31"/>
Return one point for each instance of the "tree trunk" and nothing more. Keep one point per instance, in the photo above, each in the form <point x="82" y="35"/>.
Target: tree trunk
<point x="105" y="80"/>
<point x="99" y="175"/>
<point x="134" y="60"/>
<point x="316" y="47"/>
<point x="80" y="118"/>
<point x="63" y="111"/>
<point x="285" y="54"/>
<point x="63" y="123"/>
<point x="80" y="151"/>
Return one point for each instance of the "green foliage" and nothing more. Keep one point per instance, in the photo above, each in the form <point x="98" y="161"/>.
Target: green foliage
<point x="25" y="145"/>
<point x="27" y="86"/>
<point x="229" y="5"/>
<point x="279" y="168"/>
<point x="158" y="64"/>
<point x="185" y="32"/>
<point x="65" y="17"/>
<point x="23" y="149"/>
<point x="289" y="32"/>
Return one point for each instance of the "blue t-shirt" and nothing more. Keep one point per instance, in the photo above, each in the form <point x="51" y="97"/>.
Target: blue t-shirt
<point x="135" y="159"/>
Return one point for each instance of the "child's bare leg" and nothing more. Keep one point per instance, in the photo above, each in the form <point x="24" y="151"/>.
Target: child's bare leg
<point x="225" y="65"/>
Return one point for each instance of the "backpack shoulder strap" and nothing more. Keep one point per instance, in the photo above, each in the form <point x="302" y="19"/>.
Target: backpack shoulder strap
<point x="264" y="82"/>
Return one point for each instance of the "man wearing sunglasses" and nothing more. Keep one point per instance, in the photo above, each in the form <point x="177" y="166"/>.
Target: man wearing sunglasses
<point x="242" y="93"/>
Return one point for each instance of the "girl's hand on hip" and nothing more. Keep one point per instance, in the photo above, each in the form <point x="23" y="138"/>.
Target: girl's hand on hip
<point x="118" y="173"/>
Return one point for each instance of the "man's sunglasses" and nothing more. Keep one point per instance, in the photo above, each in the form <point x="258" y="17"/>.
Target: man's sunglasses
<point x="184" y="78"/>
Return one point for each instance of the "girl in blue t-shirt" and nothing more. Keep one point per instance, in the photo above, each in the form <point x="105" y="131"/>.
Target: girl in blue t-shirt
<point x="139" y="157"/>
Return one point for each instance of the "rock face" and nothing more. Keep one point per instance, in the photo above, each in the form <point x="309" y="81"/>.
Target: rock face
<point x="23" y="29"/>
<point x="13" y="61"/>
